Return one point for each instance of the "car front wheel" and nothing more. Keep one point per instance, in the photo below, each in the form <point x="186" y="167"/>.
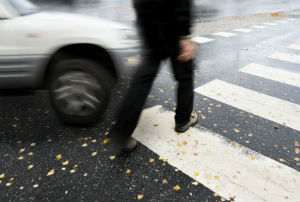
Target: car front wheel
<point x="79" y="90"/>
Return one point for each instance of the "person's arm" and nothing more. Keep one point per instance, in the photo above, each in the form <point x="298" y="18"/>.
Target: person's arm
<point x="183" y="18"/>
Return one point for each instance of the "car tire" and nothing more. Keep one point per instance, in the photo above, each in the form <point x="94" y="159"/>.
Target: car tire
<point x="79" y="90"/>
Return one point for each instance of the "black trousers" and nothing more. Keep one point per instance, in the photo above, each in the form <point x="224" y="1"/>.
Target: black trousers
<point x="141" y="86"/>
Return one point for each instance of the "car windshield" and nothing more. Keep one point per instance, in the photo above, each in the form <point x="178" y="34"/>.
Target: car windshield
<point x="23" y="7"/>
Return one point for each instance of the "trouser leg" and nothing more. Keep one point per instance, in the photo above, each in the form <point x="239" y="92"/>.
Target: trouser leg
<point x="135" y="99"/>
<point x="185" y="92"/>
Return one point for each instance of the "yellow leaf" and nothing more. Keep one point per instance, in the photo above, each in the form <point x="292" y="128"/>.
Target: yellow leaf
<point x="203" y="117"/>
<point x="176" y="188"/>
<point x="72" y="171"/>
<point x="151" y="160"/>
<point x="11" y="179"/>
<point x="94" y="154"/>
<point x="218" y="188"/>
<point x="85" y="174"/>
<point x="21" y="187"/>
<point x="282" y="160"/>
<point x="63" y="168"/>
<point x="32" y="144"/>
<point x="35" y="186"/>
<point x="22" y="150"/>
<point x="30" y="167"/>
<point x="217" y="177"/>
<point x="65" y="163"/>
<point x="84" y="145"/>
<point x="2" y="176"/>
<point x="106" y="141"/>
<point x="297" y="150"/>
<point x="195" y="183"/>
<point x="8" y="184"/>
<point x="140" y="196"/>
<point x="222" y="199"/>
<point x="251" y="158"/>
<point x="218" y="105"/>
<point x="296" y="159"/>
<point x="58" y="157"/>
<point x="208" y="176"/>
<point x="51" y="172"/>
<point x="21" y="158"/>
<point x="196" y="174"/>
<point x="297" y="144"/>
<point x="30" y="154"/>
<point x="75" y="166"/>
<point x="178" y="145"/>
<point x="112" y="157"/>
<point x="128" y="171"/>
<point x="165" y="181"/>
<point x="236" y="130"/>
<point x="94" y="140"/>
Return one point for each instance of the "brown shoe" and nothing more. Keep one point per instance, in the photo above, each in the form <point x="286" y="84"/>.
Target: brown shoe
<point x="181" y="128"/>
<point x="130" y="144"/>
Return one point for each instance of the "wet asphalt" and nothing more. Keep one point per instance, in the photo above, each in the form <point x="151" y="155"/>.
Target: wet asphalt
<point x="43" y="159"/>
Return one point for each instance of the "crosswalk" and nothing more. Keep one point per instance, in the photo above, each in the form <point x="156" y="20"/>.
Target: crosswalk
<point x="226" y="167"/>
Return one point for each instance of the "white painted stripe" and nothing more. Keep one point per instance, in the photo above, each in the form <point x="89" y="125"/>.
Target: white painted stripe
<point x="230" y="171"/>
<point x="281" y="21"/>
<point x="201" y="39"/>
<point x="224" y="34"/>
<point x="293" y="58"/>
<point x="265" y="106"/>
<point x="243" y="30"/>
<point x="294" y="46"/>
<point x="274" y="74"/>
<point x="269" y="23"/>
<point x="258" y="26"/>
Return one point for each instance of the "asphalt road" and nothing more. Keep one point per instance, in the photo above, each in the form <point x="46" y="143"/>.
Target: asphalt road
<point x="41" y="158"/>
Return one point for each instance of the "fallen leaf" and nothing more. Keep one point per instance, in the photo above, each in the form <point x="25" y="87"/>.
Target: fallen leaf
<point x="286" y="197"/>
<point x="184" y="142"/>
<point x="128" y="171"/>
<point x="58" y="157"/>
<point x="195" y="183"/>
<point x="218" y="105"/>
<point x="297" y="144"/>
<point x="22" y="150"/>
<point x="33" y="144"/>
<point x="217" y="177"/>
<point x="21" y="158"/>
<point x="196" y="174"/>
<point x="85" y="174"/>
<point x="218" y="188"/>
<point x="106" y="133"/>
<point x="282" y="160"/>
<point x="84" y="145"/>
<point x="112" y="157"/>
<point x="155" y="125"/>
<point x="222" y="199"/>
<point x="51" y="172"/>
<point x="8" y="184"/>
<point x="276" y="127"/>
<point x="208" y="176"/>
<point x="106" y="141"/>
<point x="297" y="150"/>
<point x="176" y="188"/>
<point x="21" y="188"/>
<point x="140" y="196"/>
<point x="72" y="171"/>
<point x="75" y="166"/>
<point x="251" y="158"/>
<point x="63" y="168"/>
<point x="65" y="163"/>
<point x="94" y="140"/>
<point x="2" y="176"/>
<point x="236" y="130"/>
<point x="151" y="160"/>
<point x="35" y="186"/>
<point x="30" y="167"/>
<point x="94" y="154"/>
<point x="203" y="117"/>
<point x="164" y="181"/>
<point x="296" y="159"/>
<point x="30" y="154"/>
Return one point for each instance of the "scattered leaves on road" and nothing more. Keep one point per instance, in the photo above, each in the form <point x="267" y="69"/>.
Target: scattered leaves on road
<point x="58" y="157"/>
<point x="176" y="188"/>
<point x="51" y="172"/>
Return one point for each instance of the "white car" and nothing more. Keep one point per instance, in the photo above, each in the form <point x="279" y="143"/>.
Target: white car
<point x="76" y="57"/>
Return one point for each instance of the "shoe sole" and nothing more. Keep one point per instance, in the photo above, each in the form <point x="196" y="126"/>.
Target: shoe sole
<point x="185" y="129"/>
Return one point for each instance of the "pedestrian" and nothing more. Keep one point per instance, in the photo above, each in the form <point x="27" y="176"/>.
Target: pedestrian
<point x="164" y="26"/>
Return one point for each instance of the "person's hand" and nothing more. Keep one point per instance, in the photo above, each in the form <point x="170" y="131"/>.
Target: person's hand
<point x="187" y="50"/>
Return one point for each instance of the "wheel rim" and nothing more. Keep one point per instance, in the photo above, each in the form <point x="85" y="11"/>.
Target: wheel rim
<point x="77" y="93"/>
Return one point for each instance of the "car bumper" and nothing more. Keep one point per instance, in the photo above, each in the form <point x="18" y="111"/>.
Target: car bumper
<point x="126" y="60"/>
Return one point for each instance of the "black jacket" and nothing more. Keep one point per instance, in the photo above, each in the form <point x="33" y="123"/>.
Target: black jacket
<point x="162" y="23"/>
<point x="172" y="14"/>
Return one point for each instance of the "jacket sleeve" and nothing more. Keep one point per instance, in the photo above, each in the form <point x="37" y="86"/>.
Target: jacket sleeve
<point x="183" y="16"/>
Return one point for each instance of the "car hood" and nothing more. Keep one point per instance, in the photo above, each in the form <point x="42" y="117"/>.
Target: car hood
<point x="79" y="19"/>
